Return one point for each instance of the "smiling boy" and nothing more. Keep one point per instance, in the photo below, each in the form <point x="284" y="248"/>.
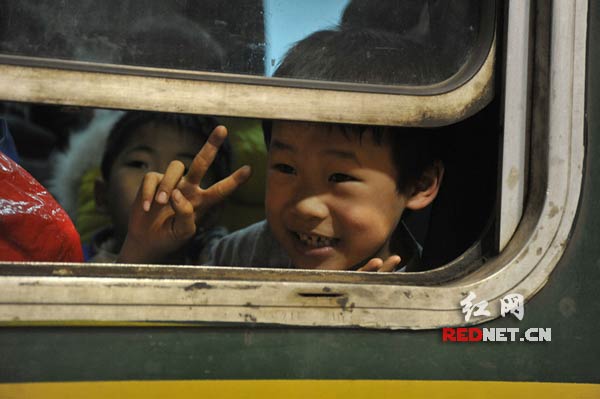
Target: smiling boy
<point x="333" y="199"/>
<point x="335" y="196"/>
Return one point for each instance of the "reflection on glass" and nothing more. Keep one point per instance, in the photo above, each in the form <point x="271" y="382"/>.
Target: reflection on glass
<point x="429" y="41"/>
<point x="195" y="35"/>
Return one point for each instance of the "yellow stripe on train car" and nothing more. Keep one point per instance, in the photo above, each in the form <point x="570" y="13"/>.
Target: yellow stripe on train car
<point x="297" y="389"/>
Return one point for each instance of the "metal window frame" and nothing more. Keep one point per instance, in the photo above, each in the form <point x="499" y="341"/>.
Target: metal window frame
<point x="517" y="113"/>
<point x="65" y="293"/>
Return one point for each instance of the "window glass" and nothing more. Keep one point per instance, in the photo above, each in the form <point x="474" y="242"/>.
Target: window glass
<point x="419" y="42"/>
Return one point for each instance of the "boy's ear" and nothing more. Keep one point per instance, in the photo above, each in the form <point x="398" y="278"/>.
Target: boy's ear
<point x="427" y="187"/>
<point x="101" y="194"/>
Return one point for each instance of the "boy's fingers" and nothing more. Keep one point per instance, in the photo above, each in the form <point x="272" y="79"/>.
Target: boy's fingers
<point x="183" y="222"/>
<point x="372" y="266"/>
<point x="169" y="181"/>
<point x="148" y="189"/>
<point x="206" y="155"/>
<point x="378" y="265"/>
<point x="220" y="190"/>
<point x="390" y="264"/>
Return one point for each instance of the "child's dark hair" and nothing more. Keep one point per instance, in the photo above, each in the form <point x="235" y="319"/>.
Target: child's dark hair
<point x="133" y="120"/>
<point x="364" y="55"/>
<point x="413" y="150"/>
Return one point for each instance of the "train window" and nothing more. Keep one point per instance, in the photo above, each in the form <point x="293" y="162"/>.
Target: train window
<point x="209" y="58"/>
<point x="251" y="37"/>
<point x="503" y="212"/>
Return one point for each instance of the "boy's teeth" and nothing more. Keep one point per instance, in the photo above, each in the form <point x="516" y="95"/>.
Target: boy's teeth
<point x="315" y="240"/>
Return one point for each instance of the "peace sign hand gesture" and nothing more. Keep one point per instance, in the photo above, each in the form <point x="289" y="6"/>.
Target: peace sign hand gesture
<point x="168" y="206"/>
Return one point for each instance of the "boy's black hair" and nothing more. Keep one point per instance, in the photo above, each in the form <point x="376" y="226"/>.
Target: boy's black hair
<point x="361" y="55"/>
<point x="365" y="55"/>
<point x="445" y="27"/>
<point x="129" y="123"/>
<point x="413" y="150"/>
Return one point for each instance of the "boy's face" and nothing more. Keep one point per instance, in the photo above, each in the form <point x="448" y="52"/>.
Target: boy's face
<point x="331" y="198"/>
<point x="150" y="148"/>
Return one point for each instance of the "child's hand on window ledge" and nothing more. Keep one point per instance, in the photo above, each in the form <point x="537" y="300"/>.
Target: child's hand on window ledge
<point x="379" y="265"/>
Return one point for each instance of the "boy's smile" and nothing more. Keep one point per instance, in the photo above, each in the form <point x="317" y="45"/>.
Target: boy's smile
<point x="316" y="241"/>
<point x="314" y="245"/>
<point x="331" y="198"/>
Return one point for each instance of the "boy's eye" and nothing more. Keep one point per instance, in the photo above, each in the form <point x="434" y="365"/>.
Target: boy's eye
<point x="284" y="168"/>
<point x="137" y="164"/>
<point x="341" y="178"/>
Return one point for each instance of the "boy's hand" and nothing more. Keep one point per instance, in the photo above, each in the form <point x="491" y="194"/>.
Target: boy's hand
<point x="379" y="265"/>
<point x="168" y="206"/>
<point x="161" y="188"/>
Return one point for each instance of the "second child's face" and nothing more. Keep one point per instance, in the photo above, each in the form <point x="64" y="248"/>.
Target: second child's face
<point x="331" y="198"/>
<point x="151" y="148"/>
